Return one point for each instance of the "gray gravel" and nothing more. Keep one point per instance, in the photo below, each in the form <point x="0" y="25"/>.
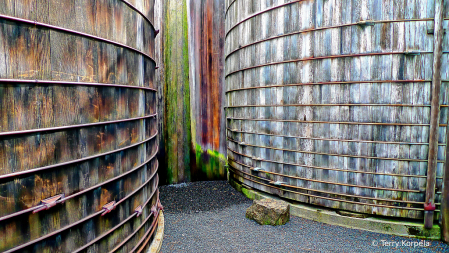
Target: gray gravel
<point x="210" y="217"/>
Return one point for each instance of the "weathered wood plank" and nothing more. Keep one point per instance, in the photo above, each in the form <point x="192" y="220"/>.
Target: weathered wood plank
<point x="384" y="37"/>
<point x="46" y="54"/>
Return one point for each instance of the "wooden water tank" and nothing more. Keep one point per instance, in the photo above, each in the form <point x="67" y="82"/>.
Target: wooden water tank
<point x="329" y="102"/>
<point x="78" y="126"/>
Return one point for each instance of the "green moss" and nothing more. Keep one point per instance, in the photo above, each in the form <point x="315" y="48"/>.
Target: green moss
<point x="248" y="193"/>
<point x="422" y="233"/>
<point x="211" y="164"/>
<point x="177" y="121"/>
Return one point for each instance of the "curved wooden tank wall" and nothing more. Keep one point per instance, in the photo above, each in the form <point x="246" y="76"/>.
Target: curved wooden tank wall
<point x="77" y="117"/>
<point x="206" y="60"/>
<point x="337" y="111"/>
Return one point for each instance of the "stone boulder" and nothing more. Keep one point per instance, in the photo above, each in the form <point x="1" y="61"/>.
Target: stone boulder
<point x="269" y="212"/>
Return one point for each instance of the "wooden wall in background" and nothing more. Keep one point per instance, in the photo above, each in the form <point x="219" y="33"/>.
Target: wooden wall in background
<point x="77" y="117"/>
<point x="206" y="58"/>
<point x="331" y="99"/>
<point x="191" y="95"/>
<point x="174" y="103"/>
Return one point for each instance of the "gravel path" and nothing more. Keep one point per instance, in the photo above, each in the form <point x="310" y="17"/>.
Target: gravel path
<point x="210" y="217"/>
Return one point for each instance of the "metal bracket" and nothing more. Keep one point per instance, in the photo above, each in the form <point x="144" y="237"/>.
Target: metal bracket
<point x="159" y="205"/>
<point x="278" y="183"/>
<point x="49" y="202"/>
<point x="412" y="53"/>
<point x="156" y="33"/>
<point x="108" y="208"/>
<point x="138" y="210"/>
<point x="156" y="208"/>
<point x="432" y="31"/>
<point x="256" y="169"/>
<point x="429" y="207"/>
<point x="153" y="210"/>
<point x="156" y="67"/>
<point x="366" y="23"/>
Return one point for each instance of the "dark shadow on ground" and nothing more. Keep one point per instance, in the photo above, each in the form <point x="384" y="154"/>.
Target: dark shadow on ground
<point x="200" y="196"/>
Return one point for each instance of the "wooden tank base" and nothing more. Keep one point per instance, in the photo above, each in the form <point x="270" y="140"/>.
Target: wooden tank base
<point x="373" y="224"/>
<point x="156" y="244"/>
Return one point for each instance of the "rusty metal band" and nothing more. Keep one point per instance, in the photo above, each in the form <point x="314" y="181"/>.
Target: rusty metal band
<point x="321" y="191"/>
<point x="321" y="197"/>
<point x="337" y="155"/>
<point x="58" y="28"/>
<point x="21" y="81"/>
<point x="106" y="233"/>
<point x="299" y="105"/>
<point x="116" y="178"/>
<point x="53" y="129"/>
<point x="135" y="231"/>
<point x="328" y="83"/>
<point x="229" y="7"/>
<point x="324" y="28"/>
<point x="333" y="169"/>
<point x="54" y="233"/>
<point x="21" y="173"/>
<point x="138" y="11"/>
<point x="261" y="12"/>
<point x="147" y="236"/>
<point x="340" y="140"/>
<point x="117" y="226"/>
<point x="336" y="122"/>
<point x="73" y="224"/>
<point x="155" y="224"/>
<point x="348" y="185"/>
<point x="322" y="58"/>
<point x="62" y="200"/>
